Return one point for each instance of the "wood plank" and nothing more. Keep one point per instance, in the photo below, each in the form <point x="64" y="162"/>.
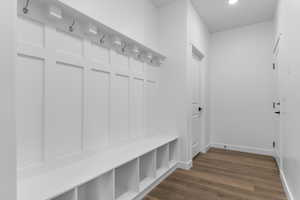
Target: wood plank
<point x="223" y="175"/>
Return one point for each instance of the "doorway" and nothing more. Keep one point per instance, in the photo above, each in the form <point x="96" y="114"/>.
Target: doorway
<point x="197" y="129"/>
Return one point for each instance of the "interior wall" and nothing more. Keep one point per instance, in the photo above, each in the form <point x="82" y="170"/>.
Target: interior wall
<point x="137" y="19"/>
<point x="241" y="88"/>
<point x="180" y="27"/>
<point x="173" y="41"/>
<point x="289" y="76"/>
<point x="8" y="138"/>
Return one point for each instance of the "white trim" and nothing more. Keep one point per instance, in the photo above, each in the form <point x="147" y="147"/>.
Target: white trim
<point x="286" y="186"/>
<point x="260" y="151"/>
<point x="277" y="158"/>
<point x="185" y="165"/>
<point x="205" y="149"/>
<point x="196" y="149"/>
<point x="283" y="177"/>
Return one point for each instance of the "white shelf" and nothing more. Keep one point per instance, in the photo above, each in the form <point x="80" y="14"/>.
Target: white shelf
<point x="126" y="180"/>
<point x="53" y="182"/>
<point x="162" y="157"/>
<point x="161" y="171"/>
<point x="147" y="166"/>
<point x="101" y="188"/>
<point x="173" y="151"/>
<point x="146" y="182"/>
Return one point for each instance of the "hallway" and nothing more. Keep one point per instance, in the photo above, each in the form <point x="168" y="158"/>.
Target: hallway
<point x="223" y="175"/>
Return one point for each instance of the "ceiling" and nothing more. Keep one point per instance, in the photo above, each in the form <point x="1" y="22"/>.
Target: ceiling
<point x="159" y="3"/>
<point x="218" y="15"/>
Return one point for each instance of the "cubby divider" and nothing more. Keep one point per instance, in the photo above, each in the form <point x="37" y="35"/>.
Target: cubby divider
<point x="173" y="152"/>
<point x="101" y="188"/>
<point x="70" y="195"/>
<point x="147" y="169"/>
<point x="162" y="159"/>
<point x="127" y="180"/>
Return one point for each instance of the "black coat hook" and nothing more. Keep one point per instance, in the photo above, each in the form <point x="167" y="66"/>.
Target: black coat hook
<point x="71" y="28"/>
<point x="25" y="9"/>
<point x="102" y="39"/>
<point x="124" y="47"/>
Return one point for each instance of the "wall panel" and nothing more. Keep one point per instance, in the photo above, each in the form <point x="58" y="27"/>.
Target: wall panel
<point x="74" y="96"/>
<point x="150" y="105"/>
<point x="65" y="43"/>
<point x="98" y="103"/>
<point x="120" y="109"/>
<point x="63" y="110"/>
<point x="137" y="108"/>
<point x="31" y="33"/>
<point x="119" y="63"/>
<point x="29" y="104"/>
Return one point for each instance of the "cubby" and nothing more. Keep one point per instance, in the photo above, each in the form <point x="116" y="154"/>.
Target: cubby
<point x="162" y="159"/>
<point x="101" y="188"/>
<point x="70" y="195"/>
<point x="173" y="152"/>
<point x="127" y="180"/>
<point x="147" y="169"/>
<point x="125" y="173"/>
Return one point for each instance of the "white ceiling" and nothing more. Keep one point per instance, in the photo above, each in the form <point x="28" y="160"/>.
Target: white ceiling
<point x="218" y="15"/>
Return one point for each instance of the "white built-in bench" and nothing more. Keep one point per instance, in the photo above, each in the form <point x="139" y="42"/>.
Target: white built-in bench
<point x="123" y="173"/>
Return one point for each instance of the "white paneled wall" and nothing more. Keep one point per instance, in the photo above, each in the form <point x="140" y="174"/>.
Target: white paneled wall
<point x="74" y="96"/>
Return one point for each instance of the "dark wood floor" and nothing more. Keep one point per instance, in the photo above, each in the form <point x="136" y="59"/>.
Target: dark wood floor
<point x="223" y="175"/>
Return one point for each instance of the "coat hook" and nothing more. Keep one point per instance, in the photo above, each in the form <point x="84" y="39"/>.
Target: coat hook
<point x="102" y="39"/>
<point x="124" y="47"/>
<point x="71" y="28"/>
<point x="25" y="9"/>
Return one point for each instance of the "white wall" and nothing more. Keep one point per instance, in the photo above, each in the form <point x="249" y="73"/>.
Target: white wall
<point x="8" y="139"/>
<point x="241" y="87"/>
<point x="138" y="19"/>
<point x="173" y="42"/>
<point x="289" y="73"/>
<point x="180" y="26"/>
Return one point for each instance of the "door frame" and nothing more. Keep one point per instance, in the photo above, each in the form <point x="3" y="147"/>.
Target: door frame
<point x="201" y="148"/>
<point x="278" y="119"/>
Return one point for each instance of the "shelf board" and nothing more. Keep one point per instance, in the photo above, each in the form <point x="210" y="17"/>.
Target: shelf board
<point x="127" y="196"/>
<point x="53" y="182"/>
<point x="162" y="171"/>
<point x="146" y="182"/>
<point x="172" y="163"/>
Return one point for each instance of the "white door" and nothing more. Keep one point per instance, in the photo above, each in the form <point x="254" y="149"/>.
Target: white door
<point x="197" y="106"/>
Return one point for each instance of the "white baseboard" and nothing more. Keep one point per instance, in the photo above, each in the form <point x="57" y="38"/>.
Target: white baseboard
<point x="283" y="177"/>
<point x="277" y="158"/>
<point x="205" y="149"/>
<point x="286" y="186"/>
<point x="185" y="165"/>
<point x="268" y="152"/>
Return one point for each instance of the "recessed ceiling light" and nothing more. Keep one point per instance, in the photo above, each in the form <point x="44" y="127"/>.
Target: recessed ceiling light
<point x="232" y="2"/>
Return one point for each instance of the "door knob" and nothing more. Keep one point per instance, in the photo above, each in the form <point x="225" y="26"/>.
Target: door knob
<point x="278" y="112"/>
